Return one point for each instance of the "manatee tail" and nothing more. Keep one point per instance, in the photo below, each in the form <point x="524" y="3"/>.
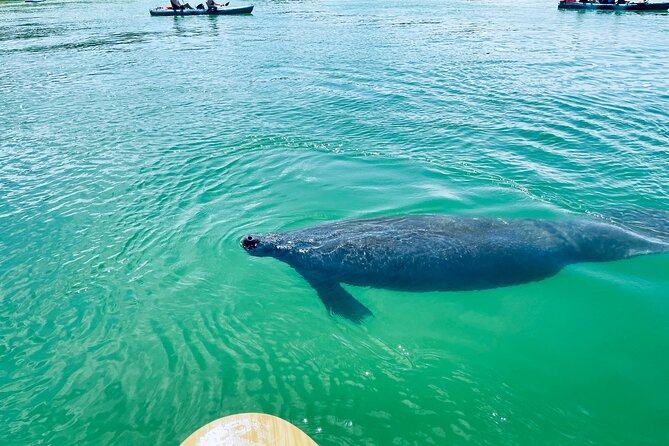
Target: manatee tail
<point x="652" y="223"/>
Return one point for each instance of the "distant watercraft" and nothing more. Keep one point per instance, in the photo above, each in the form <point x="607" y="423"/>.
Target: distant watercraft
<point x="613" y="6"/>
<point x="219" y="11"/>
<point x="34" y="1"/>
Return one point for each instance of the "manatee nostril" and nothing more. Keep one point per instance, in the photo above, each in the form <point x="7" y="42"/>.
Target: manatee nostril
<point x="249" y="242"/>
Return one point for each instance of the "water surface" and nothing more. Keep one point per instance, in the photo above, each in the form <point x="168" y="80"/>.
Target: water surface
<point x="136" y="151"/>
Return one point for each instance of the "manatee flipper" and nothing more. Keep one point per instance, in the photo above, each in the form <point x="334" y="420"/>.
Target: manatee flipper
<point x="336" y="299"/>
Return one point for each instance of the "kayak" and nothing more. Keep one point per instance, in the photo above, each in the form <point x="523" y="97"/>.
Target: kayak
<point x="220" y="11"/>
<point x="614" y="7"/>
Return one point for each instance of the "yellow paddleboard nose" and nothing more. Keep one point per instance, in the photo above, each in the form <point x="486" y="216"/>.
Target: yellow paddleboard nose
<point x="249" y="429"/>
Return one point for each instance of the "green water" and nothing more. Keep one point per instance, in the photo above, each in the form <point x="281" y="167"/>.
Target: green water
<point x="136" y="151"/>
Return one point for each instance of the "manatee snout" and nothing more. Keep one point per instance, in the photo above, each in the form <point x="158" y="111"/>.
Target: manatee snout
<point x="249" y="242"/>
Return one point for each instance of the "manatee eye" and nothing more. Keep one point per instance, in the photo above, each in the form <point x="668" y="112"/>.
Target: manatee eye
<point x="249" y="238"/>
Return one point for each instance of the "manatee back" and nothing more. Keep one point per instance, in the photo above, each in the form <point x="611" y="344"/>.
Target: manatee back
<point x="431" y="252"/>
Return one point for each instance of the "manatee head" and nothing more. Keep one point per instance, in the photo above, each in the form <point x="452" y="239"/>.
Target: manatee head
<point x="264" y="245"/>
<point x="282" y="246"/>
<point x="256" y="245"/>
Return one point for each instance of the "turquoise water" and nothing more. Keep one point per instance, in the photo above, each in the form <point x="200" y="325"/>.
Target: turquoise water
<point x="136" y="151"/>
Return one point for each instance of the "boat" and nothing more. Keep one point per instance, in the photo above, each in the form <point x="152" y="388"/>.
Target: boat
<point x="257" y="429"/>
<point x="224" y="10"/>
<point x="607" y="5"/>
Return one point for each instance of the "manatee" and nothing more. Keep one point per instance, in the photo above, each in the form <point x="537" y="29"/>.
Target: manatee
<point x="441" y="253"/>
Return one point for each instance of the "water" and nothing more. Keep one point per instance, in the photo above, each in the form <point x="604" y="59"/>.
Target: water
<point x="136" y="151"/>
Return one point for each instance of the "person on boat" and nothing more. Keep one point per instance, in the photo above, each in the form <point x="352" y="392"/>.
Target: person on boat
<point x="178" y="6"/>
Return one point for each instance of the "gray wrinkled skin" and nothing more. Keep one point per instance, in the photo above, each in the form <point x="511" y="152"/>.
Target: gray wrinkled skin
<point x="441" y="253"/>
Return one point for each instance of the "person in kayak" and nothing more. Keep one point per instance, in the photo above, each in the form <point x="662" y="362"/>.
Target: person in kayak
<point x="178" y="6"/>
<point x="212" y="5"/>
